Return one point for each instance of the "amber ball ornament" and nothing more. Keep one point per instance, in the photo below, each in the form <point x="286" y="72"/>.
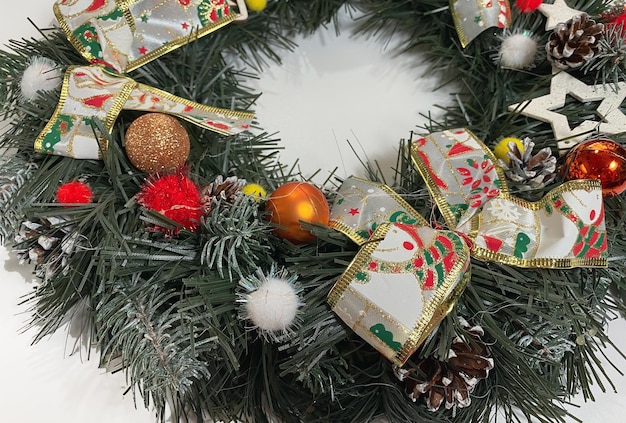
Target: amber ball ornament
<point x="598" y="158"/>
<point x="293" y="203"/>
<point x="157" y="143"/>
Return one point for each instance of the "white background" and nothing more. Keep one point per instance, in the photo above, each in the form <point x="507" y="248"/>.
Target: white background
<point x="330" y="92"/>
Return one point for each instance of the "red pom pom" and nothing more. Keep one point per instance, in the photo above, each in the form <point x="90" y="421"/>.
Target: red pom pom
<point x="527" y="6"/>
<point x="176" y="197"/>
<point x="74" y="193"/>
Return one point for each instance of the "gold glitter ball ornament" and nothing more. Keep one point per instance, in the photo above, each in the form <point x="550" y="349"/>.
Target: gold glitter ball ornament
<point x="156" y="142"/>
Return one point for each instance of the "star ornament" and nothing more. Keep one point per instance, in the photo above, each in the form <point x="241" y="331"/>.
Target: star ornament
<point x="612" y="120"/>
<point x="557" y="12"/>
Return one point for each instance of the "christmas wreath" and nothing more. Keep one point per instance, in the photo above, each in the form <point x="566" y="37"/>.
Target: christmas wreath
<point x="476" y="284"/>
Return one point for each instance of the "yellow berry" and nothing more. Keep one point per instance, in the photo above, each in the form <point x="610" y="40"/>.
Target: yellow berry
<point x="255" y="190"/>
<point x="256" y="5"/>
<point x="502" y="148"/>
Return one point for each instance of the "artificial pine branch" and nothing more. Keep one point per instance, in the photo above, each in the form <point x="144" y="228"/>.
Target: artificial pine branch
<point x="165" y="307"/>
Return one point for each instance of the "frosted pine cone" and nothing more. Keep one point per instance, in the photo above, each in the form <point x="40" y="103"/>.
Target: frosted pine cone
<point x="450" y="382"/>
<point x="46" y="242"/>
<point x="224" y="190"/>
<point x="574" y="42"/>
<point x="530" y="171"/>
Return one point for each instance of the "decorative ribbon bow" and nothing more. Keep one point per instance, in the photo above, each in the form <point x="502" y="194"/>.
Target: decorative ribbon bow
<point x="407" y="276"/>
<point x="117" y="36"/>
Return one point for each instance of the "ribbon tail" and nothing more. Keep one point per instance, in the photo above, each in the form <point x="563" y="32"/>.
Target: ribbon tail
<point x="473" y="17"/>
<point x="222" y="121"/>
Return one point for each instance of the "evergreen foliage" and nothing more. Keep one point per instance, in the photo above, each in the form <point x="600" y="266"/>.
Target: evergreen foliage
<point x="164" y="309"/>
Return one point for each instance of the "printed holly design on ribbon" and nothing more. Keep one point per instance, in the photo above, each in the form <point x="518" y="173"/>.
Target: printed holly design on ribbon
<point x="485" y="185"/>
<point x="465" y="171"/>
<point x="60" y="128"/>
<point x="407" y="276"/>
<point x="116" y="37"/>
<point x="211" y="11"/>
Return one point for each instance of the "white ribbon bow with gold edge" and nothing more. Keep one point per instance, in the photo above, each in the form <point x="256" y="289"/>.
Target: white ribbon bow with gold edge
<point x="117" y="36"/>
<point x="407" y="276"/>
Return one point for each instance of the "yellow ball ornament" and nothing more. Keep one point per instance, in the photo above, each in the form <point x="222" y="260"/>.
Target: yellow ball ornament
<point x="254" y="190"/>
<point x="502" y="148"/>
<point x="256" y="5"/>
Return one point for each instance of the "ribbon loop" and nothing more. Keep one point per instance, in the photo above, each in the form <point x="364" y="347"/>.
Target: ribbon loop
<point x="407" y="276"/>
<point x="564" y="229"/>
<point x="126" y="34"/>
<point x="361" y="206"/>
<point x="92" y="92"/>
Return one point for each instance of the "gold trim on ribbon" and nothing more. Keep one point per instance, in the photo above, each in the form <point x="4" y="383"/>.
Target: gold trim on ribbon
<point x="121" y="96"/>
<point x="179" y="42"/>
<point x="442" y="303"/>
<point x="235" y="114"/>
<point x="358" y="239"/>
<point x="63" y="96"/>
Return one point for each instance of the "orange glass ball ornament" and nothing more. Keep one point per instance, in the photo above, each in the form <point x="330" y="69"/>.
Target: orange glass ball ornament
<point x="293" y="203"/>
<point x="599" y="158"/>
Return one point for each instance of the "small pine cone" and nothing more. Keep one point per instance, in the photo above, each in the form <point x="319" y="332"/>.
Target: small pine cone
<point x="222" y="190"/>
<point x="47" y="243"/>
<point x="574" y="42"/>
<point x="528" y="170"/>
<point x="450" y="382"/>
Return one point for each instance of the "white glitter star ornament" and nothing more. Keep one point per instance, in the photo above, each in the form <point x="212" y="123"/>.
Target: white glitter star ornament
<point x="557" y="12"/>
<point x="271" y="303"/>
<point x="611" y="119"/>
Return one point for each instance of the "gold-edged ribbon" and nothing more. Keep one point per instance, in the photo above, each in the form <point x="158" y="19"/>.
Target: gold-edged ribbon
<point x="407" y="275"/>
<point x="472" y="17"/>
<point x="117" y="36"/>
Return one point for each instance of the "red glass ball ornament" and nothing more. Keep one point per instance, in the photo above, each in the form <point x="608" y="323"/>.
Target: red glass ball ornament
<point x="74" y="193"/>
<point x="292" y="203"/>
<point x="599" y="158"/>
<point x="528" y="6"/>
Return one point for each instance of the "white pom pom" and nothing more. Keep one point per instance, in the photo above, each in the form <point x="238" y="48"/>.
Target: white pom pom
<point x="42" y="74"/>
<point x="517" y="51"/>
<point x="271" y="304"/>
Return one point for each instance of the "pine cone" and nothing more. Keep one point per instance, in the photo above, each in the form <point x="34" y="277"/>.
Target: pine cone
<point x="528" y="170"/>
<point x="222" y="190"/>
<point x="47" y="242"/>
<point x="574" y="42"/>
<point x="454" y="380"/>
